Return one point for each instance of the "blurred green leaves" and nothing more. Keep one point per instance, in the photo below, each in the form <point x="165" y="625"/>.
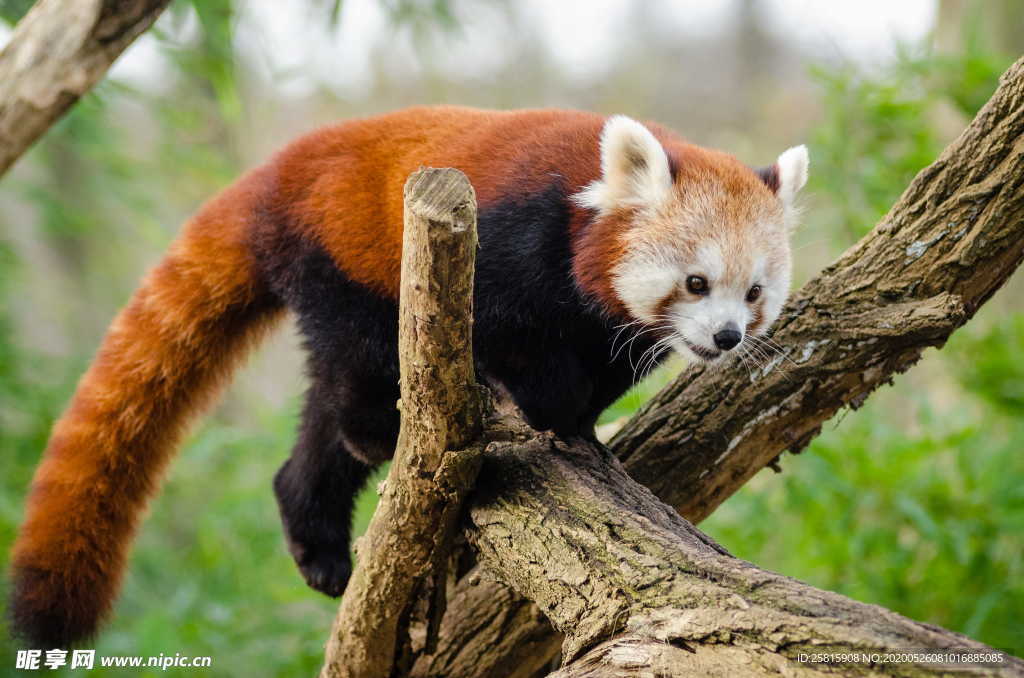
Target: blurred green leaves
<point x="11" y="11"/>
<point x="991" y="365"/>
<point x="209" y="59"/>
<point x="880" y="129"/>
<point x="422" y="14"/>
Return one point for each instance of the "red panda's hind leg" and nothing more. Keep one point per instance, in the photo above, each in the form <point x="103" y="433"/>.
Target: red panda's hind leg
<point x="350" y="419"/>
<point x="315" y="490"/>
<point x="344" y="433"/>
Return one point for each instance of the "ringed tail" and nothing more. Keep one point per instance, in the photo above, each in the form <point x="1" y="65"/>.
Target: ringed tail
<point x="162" y="361"/>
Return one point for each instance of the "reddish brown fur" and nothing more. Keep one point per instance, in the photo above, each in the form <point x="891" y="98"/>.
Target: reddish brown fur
<point x="756" y="318"/>
<point x="741" y="198"/>
<point x="162" y="359"/>
<point x="346" y="180"/>
<point x="597" y="252"/>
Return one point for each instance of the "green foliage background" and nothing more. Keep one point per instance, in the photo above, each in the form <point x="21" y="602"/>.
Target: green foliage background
<point x="913" y="502"/>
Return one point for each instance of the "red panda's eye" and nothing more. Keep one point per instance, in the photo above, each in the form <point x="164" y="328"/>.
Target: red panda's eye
<point x="753" y="294"/>
<point x="697" y="284"/>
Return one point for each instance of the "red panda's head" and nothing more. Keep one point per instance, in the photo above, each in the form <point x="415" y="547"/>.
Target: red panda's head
<point x="702" y="249"/>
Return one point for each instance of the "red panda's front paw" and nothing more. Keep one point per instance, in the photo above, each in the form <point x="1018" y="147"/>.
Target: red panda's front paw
<point x="326" y="570"/>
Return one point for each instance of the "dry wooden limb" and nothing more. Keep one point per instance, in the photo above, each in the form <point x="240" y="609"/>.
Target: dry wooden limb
<point x="952" y="239"/>
<point x="59" y="50"/>
<point x="638" y="591"/>
<point x="403" y="557"/>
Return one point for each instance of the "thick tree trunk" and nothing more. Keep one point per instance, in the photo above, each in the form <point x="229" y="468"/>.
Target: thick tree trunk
<point x="638" y="591"/>
<point x="952" y="239"/>
<point x="59" y="50"/>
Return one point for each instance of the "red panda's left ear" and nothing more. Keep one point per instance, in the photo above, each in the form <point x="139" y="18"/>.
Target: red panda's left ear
<point x="788" y="175"/>
<point x="634" y="168"/>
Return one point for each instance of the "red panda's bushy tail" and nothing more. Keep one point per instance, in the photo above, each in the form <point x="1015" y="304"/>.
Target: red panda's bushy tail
<point x="162" y="360"/>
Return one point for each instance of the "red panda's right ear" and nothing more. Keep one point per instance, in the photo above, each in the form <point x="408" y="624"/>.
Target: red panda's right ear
<point x="788" y="175"/>
<point x="634" y="169"/>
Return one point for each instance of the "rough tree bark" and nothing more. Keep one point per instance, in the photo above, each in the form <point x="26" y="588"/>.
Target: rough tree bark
<point x="403" y="557"/>
<point x="952" y="239"/>
<point x="639" y="591"/>
<point x="59" y="50"/>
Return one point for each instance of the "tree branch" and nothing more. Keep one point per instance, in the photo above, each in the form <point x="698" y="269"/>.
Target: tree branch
<point x="403" y="557"/>
<point x="59" y="50"/>
<point x="952" y="239"/>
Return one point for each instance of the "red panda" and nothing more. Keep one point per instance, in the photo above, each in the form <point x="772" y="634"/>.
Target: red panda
<point x="588" y="226"/>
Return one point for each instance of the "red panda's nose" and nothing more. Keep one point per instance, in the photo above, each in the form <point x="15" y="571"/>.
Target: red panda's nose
<point x="728" y="338"/>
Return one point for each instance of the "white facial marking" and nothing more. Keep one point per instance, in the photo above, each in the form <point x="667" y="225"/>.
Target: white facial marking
<point x="634" y="169"/>
<point x="698" y="318"/>
<point x="775" y="290"/>
<point x="642" y="281"/>
<point x="709" y="262"/>
<point x="759" y="270"/>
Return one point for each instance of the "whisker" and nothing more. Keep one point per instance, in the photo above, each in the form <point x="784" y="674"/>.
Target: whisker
<point x="655" y="352"/>
<point x="762" y="355"/>
<point x="665" y="328"/>
<point x="777" y="363"/>
<point x="637" y="336"/>
<point x="655" y="357"/>
<point x="743" y="359"/>
<point x="622" y="328"/>
<point x="639" y="363"/>
<point x="650" y="353"/>
<point x="776" y="348"/>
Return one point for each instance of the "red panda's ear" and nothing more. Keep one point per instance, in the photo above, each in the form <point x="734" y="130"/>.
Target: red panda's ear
<point x="788" y="175"/>
<point x="634" y="168"/>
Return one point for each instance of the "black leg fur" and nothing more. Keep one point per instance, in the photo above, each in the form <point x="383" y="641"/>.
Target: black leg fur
<point x="315" y="492"/>
<point x="350" y="421"/>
